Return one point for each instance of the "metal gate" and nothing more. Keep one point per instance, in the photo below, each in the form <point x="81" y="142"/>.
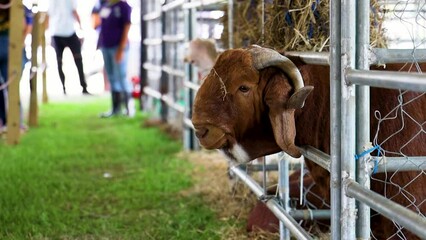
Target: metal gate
<point x="350" y="163"/>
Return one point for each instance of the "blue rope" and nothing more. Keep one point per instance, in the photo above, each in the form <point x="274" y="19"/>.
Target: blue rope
<point x="367" y="152"/>
<point x="376" y="166"/>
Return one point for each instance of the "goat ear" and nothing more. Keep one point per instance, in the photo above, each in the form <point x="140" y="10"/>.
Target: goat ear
<point x="284" y="129"/>
<point x="277" y="94"/>
<point x="297" y="100"/>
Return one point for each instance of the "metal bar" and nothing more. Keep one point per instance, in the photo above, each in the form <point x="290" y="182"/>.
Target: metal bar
<point x="363" y="113"/>
<point x="317" y="156"/>
<point x="172" y="71"/>
<point x="169" y="101"/>
<point x="195" y="4"/>
<point x="388" y="79"/>
<point x="392" y="164"/>
<point x="152" y="16"/>
<point x="174" y="38"/>
<point x="152" y="67"/>
<point x="231" y="24"/>
<point x="308" y="214"/>
<point x="407" y="218"/>
<point x="383" y="55"/>
<point x="191" y="85"/>
<point x="272" y="204"/>
<point x="316" y="58"/>
<point x="143" y="53"/>
<point x="348" y="211"/>
<point x="335" y="116"/>
<point x="283" y="191"/>
<point x="258" y="168"/>
<point x="172" y="5"/>
<point x="152" y="41"/>
<point x="151" y="92"/>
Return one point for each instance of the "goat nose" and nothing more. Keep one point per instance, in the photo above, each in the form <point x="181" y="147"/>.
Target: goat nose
<point x="201" y="132"/>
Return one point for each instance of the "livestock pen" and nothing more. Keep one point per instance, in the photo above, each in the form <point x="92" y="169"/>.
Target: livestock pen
<point x="350" y="162"/>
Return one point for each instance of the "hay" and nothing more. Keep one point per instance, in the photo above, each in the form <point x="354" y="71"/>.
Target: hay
<point x="298" y="25"/>
<point x="229" y="199"/>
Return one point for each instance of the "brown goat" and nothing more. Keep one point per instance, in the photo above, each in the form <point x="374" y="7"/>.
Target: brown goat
<point x="250" y="105"/>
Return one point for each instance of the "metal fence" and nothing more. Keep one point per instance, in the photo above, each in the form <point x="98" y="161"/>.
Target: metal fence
<point x="171" y="84"/>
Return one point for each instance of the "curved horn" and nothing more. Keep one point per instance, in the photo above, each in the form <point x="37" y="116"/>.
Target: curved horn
<point x="265" y="57"/>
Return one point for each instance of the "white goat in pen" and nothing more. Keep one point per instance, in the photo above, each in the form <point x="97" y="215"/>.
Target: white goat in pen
<point x="202" y="53"/>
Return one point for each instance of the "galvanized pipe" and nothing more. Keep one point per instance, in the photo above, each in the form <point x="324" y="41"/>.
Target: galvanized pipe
<point x="317" y="156"/>
<point x="174" y="38"/>
<point x="272" y="204"/>
<point x="348" y="211"/>
<point x="172" y="5"/>
<point x="335" y="116"/>
<point x="383" y="55"/>
<point x="307" y="214"/>
<point x="284" y="191"/>
<point x="392" y="164"/>
<point x="386" y="79"/>
<point x="152" y="16"/>
<point x="191" y="85"/>
<point x="199" y="3"/>
<point x="405" y="217"/>
<point x="363" y="113"/>
<point x="258" y="167"/>
<point x="316" y="58"/>
<point x="231" y="24"/>
<point x="172" y="71"/>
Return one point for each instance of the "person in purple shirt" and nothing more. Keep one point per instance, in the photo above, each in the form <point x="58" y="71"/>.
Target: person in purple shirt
<point x="113" y="42"/>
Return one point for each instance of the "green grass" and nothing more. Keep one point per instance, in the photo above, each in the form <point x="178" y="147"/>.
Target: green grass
<point x="53" y="184"/>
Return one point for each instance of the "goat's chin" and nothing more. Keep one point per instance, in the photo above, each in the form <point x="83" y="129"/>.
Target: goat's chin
<point x="235" y="154"/>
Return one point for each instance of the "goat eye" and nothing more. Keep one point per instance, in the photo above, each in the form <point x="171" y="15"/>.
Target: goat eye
<point x="244" y="89"/>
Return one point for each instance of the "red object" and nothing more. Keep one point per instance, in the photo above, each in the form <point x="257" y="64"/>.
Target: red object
<point x="136" y="93"/>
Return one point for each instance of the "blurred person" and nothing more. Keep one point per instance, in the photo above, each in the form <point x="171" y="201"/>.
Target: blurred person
<point x="96" y="24"/>
<point x="62" y="19"/>
<point x="4" y="55"/>
<point x="113" y="42"/>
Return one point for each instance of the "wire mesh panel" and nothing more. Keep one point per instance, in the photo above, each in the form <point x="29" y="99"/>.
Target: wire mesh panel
<point x="397" y="126"/>
<point x="152" y="57"/>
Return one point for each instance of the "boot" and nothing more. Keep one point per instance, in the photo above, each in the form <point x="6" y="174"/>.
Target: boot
<point x="115" y="97"/>
<point x="128" y="104"/>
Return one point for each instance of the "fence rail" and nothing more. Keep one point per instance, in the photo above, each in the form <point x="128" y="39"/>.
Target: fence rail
<point x="350" y="79"/>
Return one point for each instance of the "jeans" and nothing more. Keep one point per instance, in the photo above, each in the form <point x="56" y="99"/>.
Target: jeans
<point x="116" y="72"/>
<point x="4" y="45"/>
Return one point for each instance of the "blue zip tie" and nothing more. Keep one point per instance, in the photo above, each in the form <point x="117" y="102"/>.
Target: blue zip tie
<point x="376" y="166"/>
<point x="366" y="152"/>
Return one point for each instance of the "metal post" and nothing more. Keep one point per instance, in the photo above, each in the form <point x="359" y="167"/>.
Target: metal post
<point x="144" y="55"/>
<point x="230" y="24"/>
<point x="348" y="21"/>
<point x="363" y="113"/>
<point x="164" y="81"/>
<point x="335" y="75"/>
<point x="284" y="189"/>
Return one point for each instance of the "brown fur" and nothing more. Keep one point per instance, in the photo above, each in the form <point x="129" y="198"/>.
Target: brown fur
<point x="225" y="116"/>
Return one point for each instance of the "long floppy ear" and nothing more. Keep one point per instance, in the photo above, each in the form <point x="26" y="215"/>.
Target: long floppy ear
<point x="282" y="105"/>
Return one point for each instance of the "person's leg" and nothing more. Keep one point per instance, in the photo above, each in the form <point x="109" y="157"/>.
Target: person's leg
<point x="125" y="87"/>
<point x="110" y="66"/>
<point x="4" y="43"/>
<point x="59" y="46"/>
<point x="75" y="46"/>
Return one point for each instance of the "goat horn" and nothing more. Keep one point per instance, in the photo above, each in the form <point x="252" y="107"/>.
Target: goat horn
<point x="265" y="57"/>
